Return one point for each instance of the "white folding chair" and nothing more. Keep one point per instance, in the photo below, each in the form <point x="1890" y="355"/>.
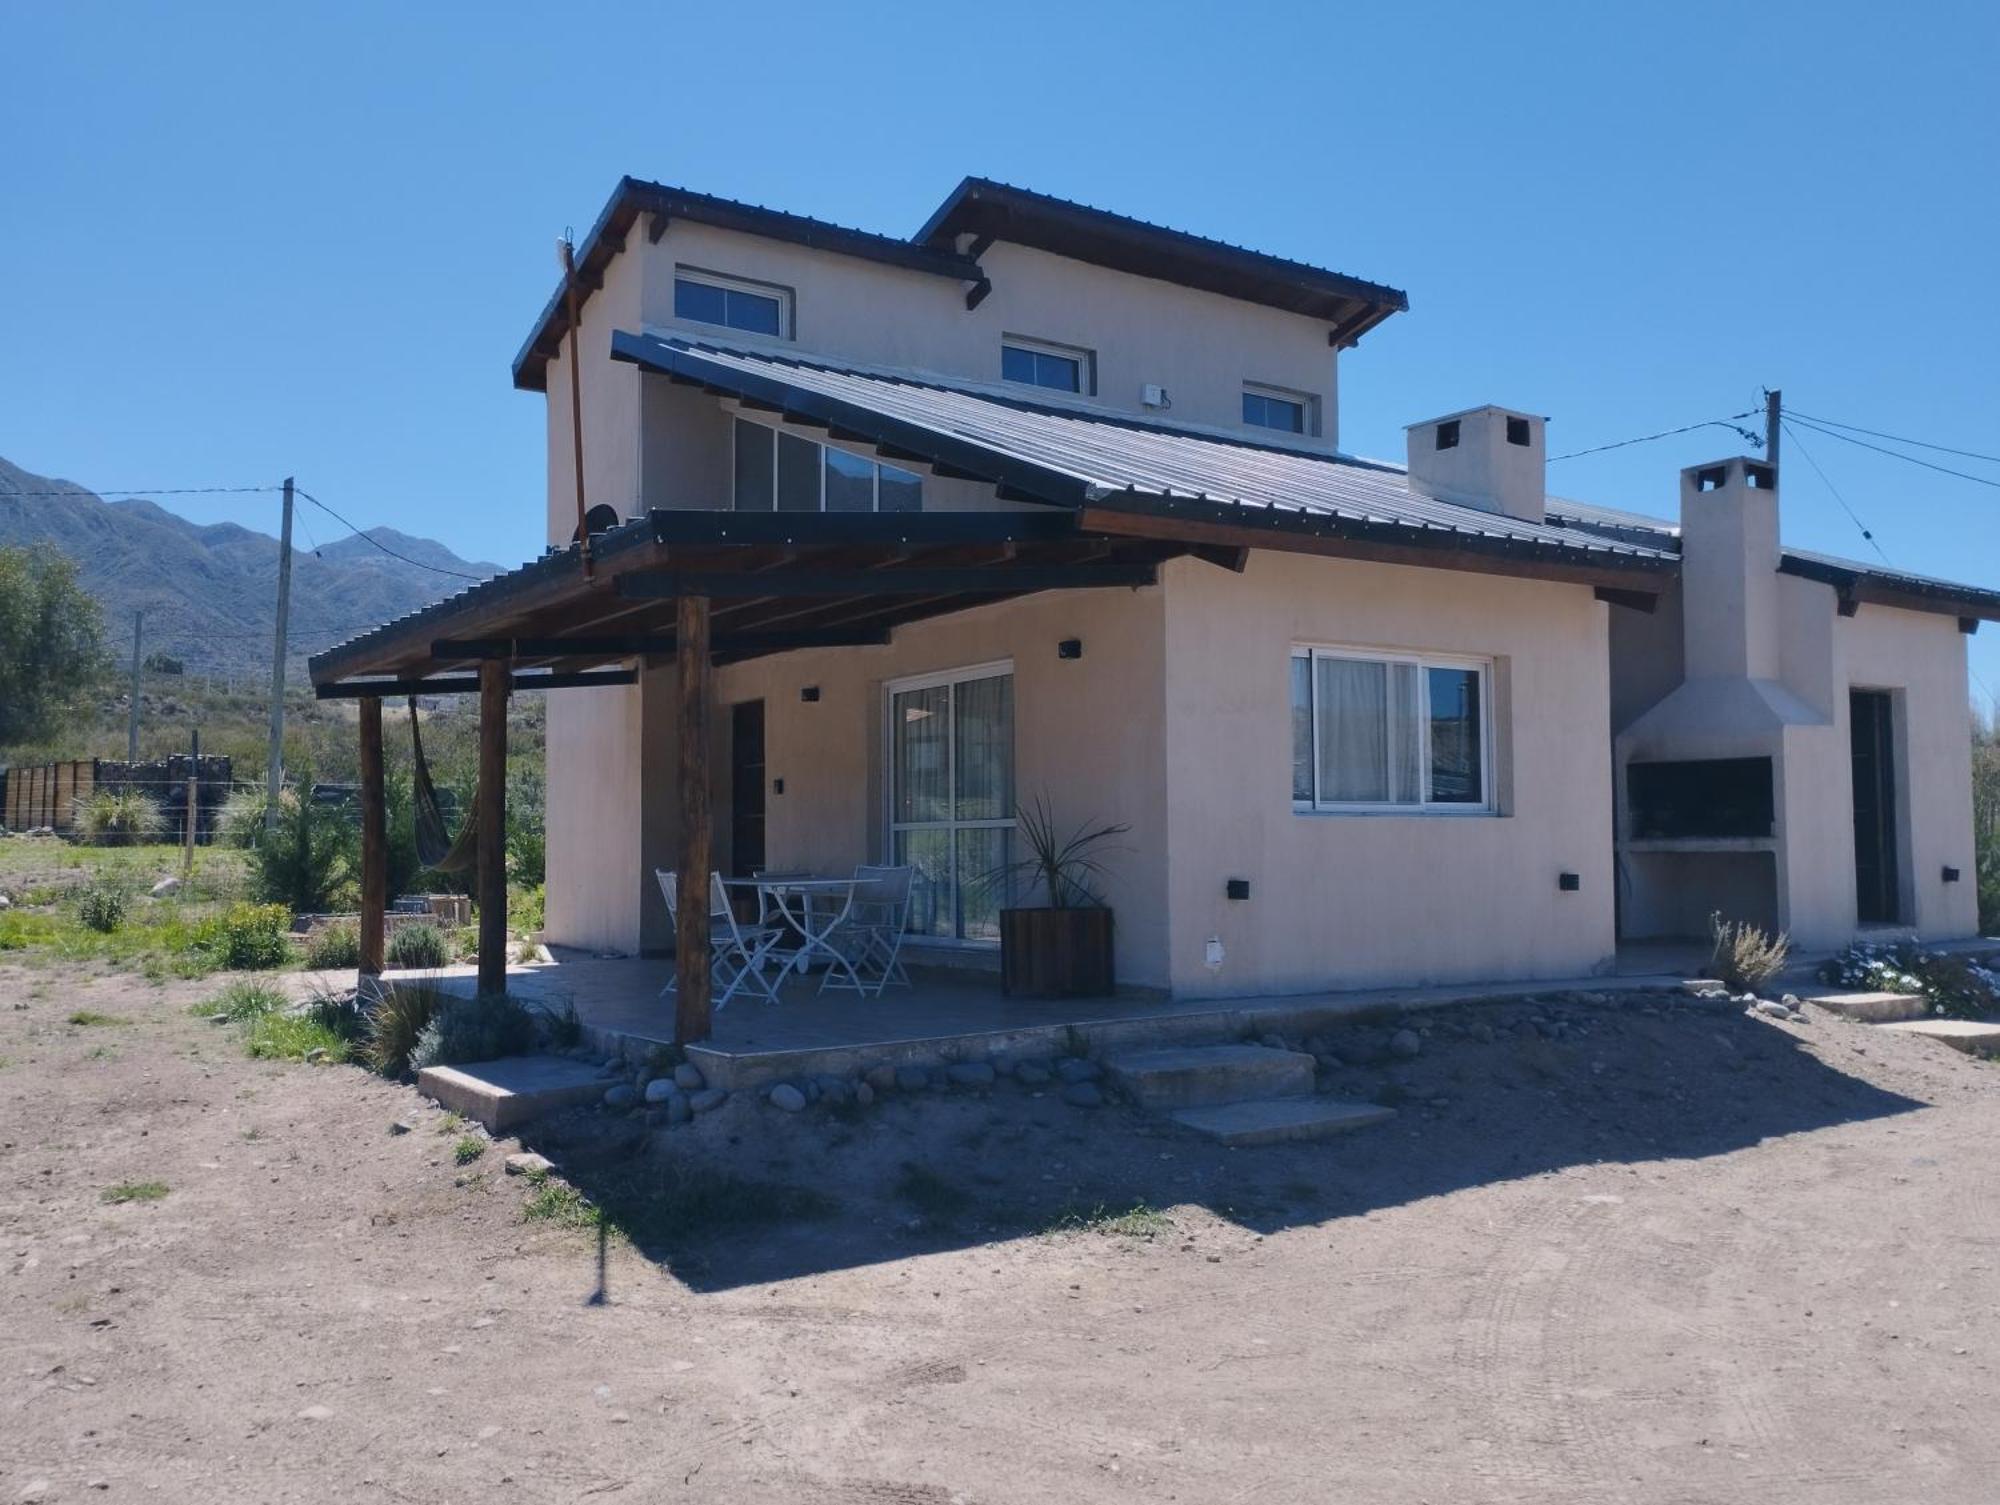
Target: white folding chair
<point x="736" y="954"/>
<point x="877" y="921"/>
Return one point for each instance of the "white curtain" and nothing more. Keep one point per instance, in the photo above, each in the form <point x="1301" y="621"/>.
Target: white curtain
<point x="1368" y="740"/>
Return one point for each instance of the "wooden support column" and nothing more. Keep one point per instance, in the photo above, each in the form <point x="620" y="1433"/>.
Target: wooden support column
<point x="492" y="865"/>
<point x="374" y="840"/>
<point x="691" y="943"/>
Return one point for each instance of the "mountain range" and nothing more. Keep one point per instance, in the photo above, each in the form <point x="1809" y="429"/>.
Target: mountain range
<point x="209" y="591"/>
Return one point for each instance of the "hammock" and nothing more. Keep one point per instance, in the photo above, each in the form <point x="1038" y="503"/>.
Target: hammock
<point x="435" y="847"/>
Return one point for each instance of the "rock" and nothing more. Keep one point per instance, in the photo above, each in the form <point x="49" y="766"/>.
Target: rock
<point x="1083" y="1095"/>
<point x="5" y="902"/>
<point x="788" y="1097"/>
<point x="707" y="1099"/>
<point x="624" y="1095"/>
<point x="881" y="1076"/>
<point x="1031" y="1073"/>
<point x="912" y="1078"/>
<point x="165" y="887"/>
<point x="656" y="1118"/>
<point x="402" y="1126"/>
<point x="528" y="1163"/>
<point x="315" y="1413"/>
<point x="316" y="1055"/>
<point x="1272" y="1042"/>
<point x="936" y="1080"/>
<point x="833" y="1089"/>
<point x="679" y="1110"/>
<point x="1075" y="1069"/>
<point x="34" y="1489"/>
<point x="1482" y="1032"/>
<point x="688" y="1077"/>
<point x="1406" y="1043"/>
<point x="1328" y="1061"/>
<point x="971" y="1073"/>
<point x="613" y="1064"/>
<point x="1772" y="1010"/>
<point x="662" y="1089"/>
<point x="1527" y="1029"/>
<point x="863" y="1093"/>
<point x="1790" y="1000"/>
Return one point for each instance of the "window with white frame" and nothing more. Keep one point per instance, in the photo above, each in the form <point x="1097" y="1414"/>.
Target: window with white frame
<point x="1276" y="408"/>
<point x="1382" y="731"/>
<point x="753" y="307"/>
<point x="776" y="471"/>
<point x="1035" y="363"/>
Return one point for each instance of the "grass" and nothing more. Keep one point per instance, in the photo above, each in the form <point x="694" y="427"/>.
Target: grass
<point x="91" y="1018"/>
<point x="663" y="1205"/>
<point x="1136" y="1221"/>
<point x="559" y="1203"/>
<point x="241" y="1000"/>
<point x="135" y="1191"/>
<point x="293" y="1037"/>
<point x="468" y="1149"/>
<point x="931" y="1194"/>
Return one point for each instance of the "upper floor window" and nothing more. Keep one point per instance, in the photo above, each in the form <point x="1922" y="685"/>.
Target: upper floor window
<point x="1275" y="408"/>
<point x="776" y="471"/>
<point x="1061" y="368"/>
<point x="753" y="307"/>
<point x="1377" y="731"/>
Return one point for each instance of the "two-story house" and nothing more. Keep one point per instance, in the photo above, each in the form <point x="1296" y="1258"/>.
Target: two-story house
<point x="1047" y="503"/>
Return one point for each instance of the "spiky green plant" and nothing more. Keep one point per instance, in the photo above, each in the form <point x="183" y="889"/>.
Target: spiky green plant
<point x="1062" y="866"/>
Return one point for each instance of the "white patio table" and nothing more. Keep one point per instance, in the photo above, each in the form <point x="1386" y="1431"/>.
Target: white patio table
<point x="814" y="907"/>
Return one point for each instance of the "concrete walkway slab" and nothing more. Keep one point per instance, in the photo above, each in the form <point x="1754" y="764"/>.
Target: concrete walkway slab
<point x="513" y="1089"/>
<point x="1972" y="1036"/>
<point x="1281" y="1119"/>
<point x="1871" y="1008"/>
<point x="1191" y="1076"/>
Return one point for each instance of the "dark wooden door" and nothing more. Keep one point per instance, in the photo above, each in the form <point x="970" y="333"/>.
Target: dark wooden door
<point x="1870" y="723"/>
<point x="746" y="788"/>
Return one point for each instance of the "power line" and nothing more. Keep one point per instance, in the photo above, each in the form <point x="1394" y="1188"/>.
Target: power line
<point x="1710" y="423"/>
<point x="1896" y="454"/>
<point x="1828" y="482"/>
<point x="1970" y="454"/>
<point x="435" y="568"/>
<point x="147" y="491"/>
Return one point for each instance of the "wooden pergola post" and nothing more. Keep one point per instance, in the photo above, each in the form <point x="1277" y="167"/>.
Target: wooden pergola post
<point x="691" y="941"/>
<point x="374" y="840"/>
<point x="494" y="679"/>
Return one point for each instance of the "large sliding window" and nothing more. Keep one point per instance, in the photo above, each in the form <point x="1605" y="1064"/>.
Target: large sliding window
<point x="753" y="307"/>
<point x="776" y="470"/>
<point x="951" y="798"/>
<point x="1380" y="732"/>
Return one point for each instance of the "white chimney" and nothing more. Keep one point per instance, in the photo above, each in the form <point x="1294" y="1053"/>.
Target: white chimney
<point x="1729" y="569"/>
<point x="1490" y="458"/>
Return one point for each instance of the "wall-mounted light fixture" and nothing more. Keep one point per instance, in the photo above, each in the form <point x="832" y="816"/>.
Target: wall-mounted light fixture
<point x="810" y="694"/>
<point x="1070" y="648"/>
<point x="1237" y="888"/>
<point x="1951" y="875"/>
<point x="1569" y="883"/>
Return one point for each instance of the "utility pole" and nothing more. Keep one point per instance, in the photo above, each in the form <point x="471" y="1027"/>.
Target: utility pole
<point x="275" y="767"/>
<point x="1774" y="417"/>
<point x="132" y="722"/>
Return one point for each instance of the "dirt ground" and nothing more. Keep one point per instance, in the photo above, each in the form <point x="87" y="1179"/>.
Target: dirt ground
<point x="1653" y="1251"/>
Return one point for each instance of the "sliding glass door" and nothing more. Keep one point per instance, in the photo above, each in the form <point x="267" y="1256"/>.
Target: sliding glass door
<point x="951" y="797"/>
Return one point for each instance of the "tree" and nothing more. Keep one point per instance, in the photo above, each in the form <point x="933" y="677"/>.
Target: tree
<point x="1986" y="816"/>
<point x="51" y="641"/>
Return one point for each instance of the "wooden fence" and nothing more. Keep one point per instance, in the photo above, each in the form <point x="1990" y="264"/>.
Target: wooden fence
<point x="46" y="794"/>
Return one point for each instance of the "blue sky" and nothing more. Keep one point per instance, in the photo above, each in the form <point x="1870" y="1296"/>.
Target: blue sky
<point x="254" y="240"/>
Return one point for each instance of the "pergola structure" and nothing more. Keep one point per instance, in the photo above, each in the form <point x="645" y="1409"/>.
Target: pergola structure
<point x="705" y="588"/>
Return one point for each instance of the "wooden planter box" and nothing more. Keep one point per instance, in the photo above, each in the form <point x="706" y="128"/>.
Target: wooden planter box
<point x="1056" y="953"/>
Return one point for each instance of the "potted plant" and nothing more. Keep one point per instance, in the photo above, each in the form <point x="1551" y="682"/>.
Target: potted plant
<point x="1062" y="948"/>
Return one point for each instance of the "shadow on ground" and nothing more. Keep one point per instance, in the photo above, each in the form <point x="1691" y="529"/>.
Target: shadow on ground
<point x="1498" y="1093"/>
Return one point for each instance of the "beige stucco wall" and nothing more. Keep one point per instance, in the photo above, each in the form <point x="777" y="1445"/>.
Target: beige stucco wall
<point x="1201" y="346"/>
<point x="1352" y="900"/>
<point x="611" y="407"/>
<point x="1087" y="735"/>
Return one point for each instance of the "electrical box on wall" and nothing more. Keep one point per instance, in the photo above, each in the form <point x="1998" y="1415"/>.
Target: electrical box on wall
<point x="1153" y="395"/>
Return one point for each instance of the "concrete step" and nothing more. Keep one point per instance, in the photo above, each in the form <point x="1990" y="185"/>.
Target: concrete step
<point x="1871" y="1008"/>
<point x="1277" y="1120"/>
<point x="1193" y="1076"/>
<point x="1972" y="1036"/>
<point x="513" y="1089"/>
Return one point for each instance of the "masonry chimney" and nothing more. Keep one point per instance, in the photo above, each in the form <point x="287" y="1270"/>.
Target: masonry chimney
<point x="1489" y="458"/>
<point x="1729" y="569"/>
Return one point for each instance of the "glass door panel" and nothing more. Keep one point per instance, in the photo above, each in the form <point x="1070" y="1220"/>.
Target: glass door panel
<point x="951" y="801"/>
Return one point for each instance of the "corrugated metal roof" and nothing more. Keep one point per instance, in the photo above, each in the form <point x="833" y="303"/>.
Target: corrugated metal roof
<point x="1923" y="585"/>
<point x="1089" y="456"/>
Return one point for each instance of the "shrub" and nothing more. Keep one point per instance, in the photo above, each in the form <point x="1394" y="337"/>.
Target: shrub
<point x="120" y="816"/>
<point x="134" y="1191"/>
<point x="526" y="910"/>
<point x="101" y="907"/>
<point x="246" y="937"/>
<point x="394" y="1022"/>
<point x="334" y="947"/>
<point x="468" y="1149"/>
<point x="241" y="820"/>
<point x="1952" y="985"/>
<point x="1744" y="956"/>
<point x="565" y="1030"/>
<point x="305" y="858"/>
<point x="474" y="1029"/>
<point x="242" y="1000"/>
<point x="294" y="1036"/>
<point x="419" y="947"/>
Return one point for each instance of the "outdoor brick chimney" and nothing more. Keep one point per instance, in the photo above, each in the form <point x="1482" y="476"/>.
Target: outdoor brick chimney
<point x="1490" y="458"/>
